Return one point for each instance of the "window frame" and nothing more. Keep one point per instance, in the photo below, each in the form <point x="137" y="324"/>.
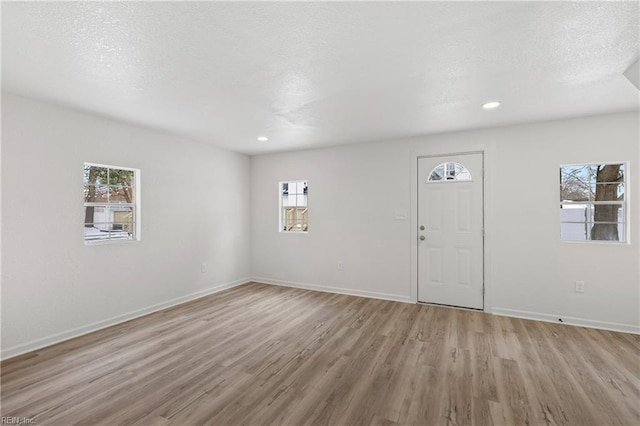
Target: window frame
<point x="625" y="237"/>
<point x="281" y="206"/>
<point x="135" y="206"/>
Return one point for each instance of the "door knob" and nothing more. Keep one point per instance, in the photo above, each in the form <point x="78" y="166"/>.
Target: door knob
<point x="422" y="237"/>
<point x="422" y="227"/>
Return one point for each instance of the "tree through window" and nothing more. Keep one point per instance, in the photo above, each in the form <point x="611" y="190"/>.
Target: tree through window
<point x="593" y="202"/>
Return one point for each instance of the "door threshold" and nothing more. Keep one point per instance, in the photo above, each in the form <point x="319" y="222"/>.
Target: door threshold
<point x="440" y="305"/>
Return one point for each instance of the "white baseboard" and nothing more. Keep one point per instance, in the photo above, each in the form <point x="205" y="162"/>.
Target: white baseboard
<point x="99" y="325"/>
<point x="582" y="322"/>
<point x="89" y="328"/>
<point x="338" y="290"/>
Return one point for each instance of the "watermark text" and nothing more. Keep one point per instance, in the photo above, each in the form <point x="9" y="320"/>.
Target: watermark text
<point x="6" y="420"/>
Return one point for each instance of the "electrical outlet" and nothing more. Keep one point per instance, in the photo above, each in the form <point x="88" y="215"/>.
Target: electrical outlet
<point x="203" y="268"/>
<point x="579" y="286"/>
<point x="340" y="266"/>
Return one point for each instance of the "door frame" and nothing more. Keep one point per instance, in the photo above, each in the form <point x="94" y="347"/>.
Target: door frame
<point x="414" y="157"/>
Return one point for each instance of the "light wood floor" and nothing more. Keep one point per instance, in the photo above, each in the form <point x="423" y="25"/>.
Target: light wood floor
<point x="260" y="354"/>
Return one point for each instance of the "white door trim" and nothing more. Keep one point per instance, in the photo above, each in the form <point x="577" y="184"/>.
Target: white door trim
<point x="414" y="156"/>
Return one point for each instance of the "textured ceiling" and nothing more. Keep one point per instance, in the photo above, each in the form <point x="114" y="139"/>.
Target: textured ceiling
<point x="322" y="73"/>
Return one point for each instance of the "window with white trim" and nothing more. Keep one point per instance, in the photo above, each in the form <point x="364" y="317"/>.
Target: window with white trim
<point x="111" y="197"/>
<point x="294" y="211"/>
<point x="593" y="203"/>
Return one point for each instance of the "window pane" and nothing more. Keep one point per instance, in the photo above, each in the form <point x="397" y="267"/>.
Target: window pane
<point x="607" y="213"/>
<point x="95" y="215"/>
<point x="584" y="222"/>
<point x="437" y="173"/>
<point x="94" y="175"/>
<point x="108" y="214"/>
<point x="109" y="231"/>
<point x="609" y="173"/>
<point x="575" y="183"/>
<point x="96" y="194"/>
<point x="461" y="172"/>
<point x="295" y="219"/>
<point x="301" y="200"/>
<point x="577" y="191"/>
<point x="123" y="220"/>
<point x="292" y="188"/>
<point x="121" y="194"/>
<point x="96" y="232"/>
<point x="592" y="213"/>
<point x="449" y="172"/>
<point x="606" y="232"/>
<point x="577" y="175"/>
<point x="106" y="231"/>
<point x="588" y="231"/>
<point x="121" y="177"/>
<point x="288" y="218"/>
<point x="607" y="192"/>
<point x="116" y="234"/>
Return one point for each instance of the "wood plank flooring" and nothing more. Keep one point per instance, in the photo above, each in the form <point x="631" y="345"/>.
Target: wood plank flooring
<point x="267" y="355"/>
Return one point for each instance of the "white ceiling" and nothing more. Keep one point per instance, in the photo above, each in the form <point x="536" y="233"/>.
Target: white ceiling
<point x="325" y="73"/>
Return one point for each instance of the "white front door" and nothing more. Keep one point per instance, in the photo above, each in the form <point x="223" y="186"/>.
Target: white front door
<point x="450" y="230"/>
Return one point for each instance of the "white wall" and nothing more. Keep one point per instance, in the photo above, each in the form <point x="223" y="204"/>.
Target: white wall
<point x="357" y="192"/>
<point x="203" y="204"/>
<point x="195" y="209"/>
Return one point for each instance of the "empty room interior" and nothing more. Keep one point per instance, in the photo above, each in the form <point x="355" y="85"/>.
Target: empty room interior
<point x="341" y="213"/>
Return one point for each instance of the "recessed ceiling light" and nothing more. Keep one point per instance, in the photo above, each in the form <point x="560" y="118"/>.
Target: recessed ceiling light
<point x="263" y="138"/>
<point x="491" y="105"/>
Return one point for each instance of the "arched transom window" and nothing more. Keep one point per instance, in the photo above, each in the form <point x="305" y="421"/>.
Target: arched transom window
<point x="449" y="172"/>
